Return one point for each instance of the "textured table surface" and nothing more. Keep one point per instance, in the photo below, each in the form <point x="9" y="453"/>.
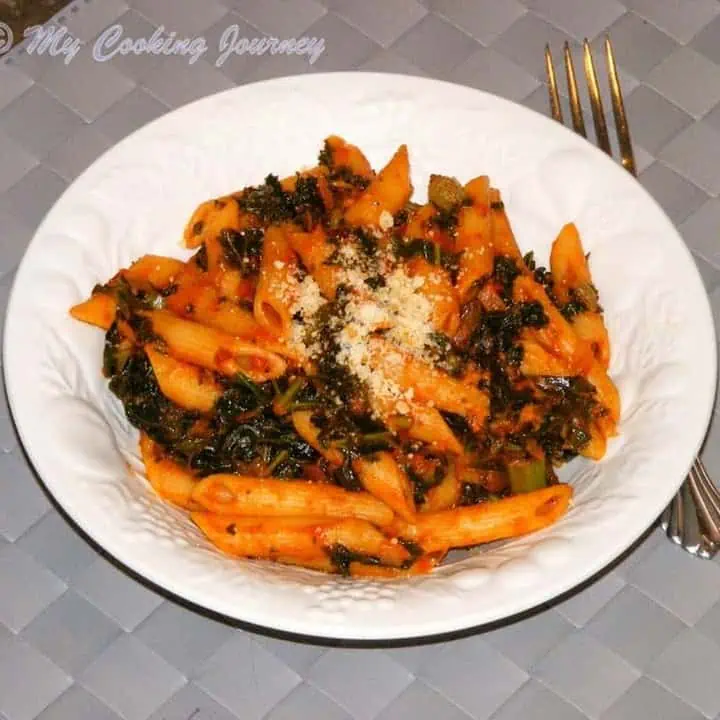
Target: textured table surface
<point x="80" y="640"/>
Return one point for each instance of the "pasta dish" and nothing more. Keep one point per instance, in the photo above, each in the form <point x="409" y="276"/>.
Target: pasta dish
<point x="343" y="379"/>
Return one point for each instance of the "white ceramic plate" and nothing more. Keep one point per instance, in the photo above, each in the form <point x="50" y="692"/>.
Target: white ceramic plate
<point x="136" y="199"/>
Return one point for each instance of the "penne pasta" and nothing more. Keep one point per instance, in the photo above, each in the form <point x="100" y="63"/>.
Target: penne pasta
<point x="503" y="238"/>
<point x="169" y="480"/>
<point x="445" y="495"/>
<point x="474" y="236"/>
<point x="189" y="386"/>
<point x="489" y="521"/>
<point x="387" y="193"/>
<point x="202" y="303"/>
<point x="568" y="263"/>
<point x="557" y="337"/>
<point x="302" y="420"/>
<point x="242" y="495"/>
<point x="430" y="385"/>
<point x="274" y="289"/>
<point x="382" y="477"/>
<point x="346" y="381"/>
<point x="153" y="272"/>
<point x="573" y="284"/>
<point x="293" y="538"/>
<point x="590" y="327"/>
<point x="315" y="251"/>
<point x="537" y="360"/>
<point x="420" y="422"/>
<point x="214" y="350"/>
<point x="99" y="310"/>
<point x="439" y="290"/>
<point x="345" y="155"/>
<point x="301" y="538"/>
<point x="213" y="216"/>
<point x="362" y="538"/>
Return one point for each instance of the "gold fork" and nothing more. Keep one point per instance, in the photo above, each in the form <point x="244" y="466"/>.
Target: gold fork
<point x="692" y="520"/>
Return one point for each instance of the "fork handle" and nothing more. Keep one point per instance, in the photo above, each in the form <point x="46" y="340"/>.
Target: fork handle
<point x="706" y="499"/>
<point x="692" y="520"/>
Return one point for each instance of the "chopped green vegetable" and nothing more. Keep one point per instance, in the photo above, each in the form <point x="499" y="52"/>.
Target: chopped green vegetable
<point x="446" y="193"/>
<point x="526" y="476"/>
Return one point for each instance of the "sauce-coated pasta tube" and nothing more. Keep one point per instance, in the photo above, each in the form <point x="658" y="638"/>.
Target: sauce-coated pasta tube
<point x="213" y="216"/>
<point x="170" y="481"/>
<point x="557" y="336"/>
<point x="242" y="495"/>
<point x="314" y="251"/>
<point x="489" y="521"/>
<point x="430" y="385"/>
<point x="345" y="155"/>
<point x="213" y="349"/>
<point x="277" y="278"/>
<point x="474" y="236"/>
<point x="425" y="424"/>
<point x="303" y="538"/>
<point x="99" y="310"/>
<point x="153" y="271"/>
<point x="302" y="420"/>
<point x="264" y="538"/>
<point x="202" y="303"/>
<point x="189" y="386"/>
<point x="445" y="495"/>
<point x="573" y="282"/>
<point x="382" y="477"/>
<point x="439" y="290"/>
<point x="388" y="192"/>
<point x="503" y="238"/>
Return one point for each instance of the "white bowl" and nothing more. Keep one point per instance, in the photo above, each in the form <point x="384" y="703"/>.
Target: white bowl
<point x="138" y="196"/>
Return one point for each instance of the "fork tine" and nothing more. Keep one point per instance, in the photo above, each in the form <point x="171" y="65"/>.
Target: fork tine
<point x="621" y="123"/>
<point x="595" y="100"/>
<point x="575" y="105"/>
<point x="555" y="108"/>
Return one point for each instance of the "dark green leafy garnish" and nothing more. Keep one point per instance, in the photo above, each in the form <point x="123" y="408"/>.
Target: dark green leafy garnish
<point x="505" y="270"/>
<point x="143" y="328"/>
<point x="346" y="176"/>
<point x="346" y="477"/>
<point x="242" y="249"/>
<point x="116" y="352"/>
<point x="341" y="557"/>
<point x="367" y="243"/>
<point x="446" y="220"/>
<point x="498" y="331"/>
<point x="428" y="250"/>
<point x="271" y="204"/>
<point x="325" y="157"/>
<point x="241" y="435"/>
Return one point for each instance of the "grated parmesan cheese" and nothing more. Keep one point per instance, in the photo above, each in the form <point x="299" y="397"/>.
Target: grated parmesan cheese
<point x="386" y="220"/>
<point x="306" y="302"/>
<point x="398" y="308"/>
